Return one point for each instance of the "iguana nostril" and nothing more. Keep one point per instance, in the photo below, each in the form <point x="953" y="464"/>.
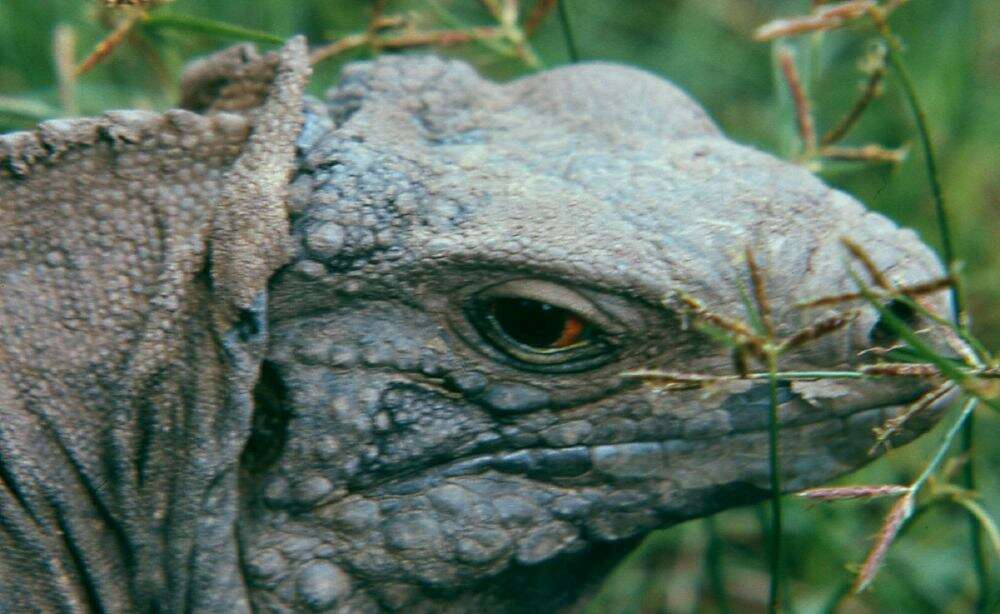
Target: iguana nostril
<point x="882" y="332"/>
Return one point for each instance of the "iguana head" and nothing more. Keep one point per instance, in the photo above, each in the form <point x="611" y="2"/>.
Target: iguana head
<point x="425" y="408"/>
<point x="442" y="421"/>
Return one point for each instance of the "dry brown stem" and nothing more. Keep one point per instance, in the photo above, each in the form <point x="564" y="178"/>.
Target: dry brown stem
<point x="823" y="17"/>
<point x="961" y="348"/>
<point x="869" y="153"/>
<point x="384" y="22"/>
<point x="375" y="23"/>
<point x="759" y="292"/>
<point x="803" y="110"/>
<point x="845" y="10"/>
<point x="893" y="425"/>
<point x="837" y="493"/>
<point x="879" y="350"/>
<point x="894" y="521"/>
<point x="850" y="119"/>
<point x="740" y="361"/>
<point x="440" y="38"/>
<point x="820" y="328"/>
<point x="109" y="43"/>
<point x="911" y="291"/>
<point x="541" y="10"/>
<point x="741" y="331"/>
<point x="902" y="369"/>
<point x="116" y="4"/>
<point x="152" y="57"/>
<point x="63" y="51"/>
<point x="862" y="256"/>
<point x="689" y="380"/>
<point x="780" y="28"/>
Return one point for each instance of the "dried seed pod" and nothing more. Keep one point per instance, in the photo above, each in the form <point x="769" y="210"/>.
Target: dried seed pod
<point x="803" y="109"/>
<point x="893" y="425"/>
<point x="836" y="493"/>
<point x="134" y="3"/>
<point x="862" y="256"/>
<point x="820" y="328"/>
<point x="902" y="369"/>
<point x="823" y="17"/>
<point x="737" y="328"/>
<point x="894" y="521"/>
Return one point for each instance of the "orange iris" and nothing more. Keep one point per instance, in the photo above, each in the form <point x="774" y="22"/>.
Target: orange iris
<point x="571" y="332"/>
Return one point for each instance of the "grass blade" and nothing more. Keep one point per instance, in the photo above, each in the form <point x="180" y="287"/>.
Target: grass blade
<point x="567" y="30"/>
<point x="774" y="460"/>
<point x="201" y="25"/>
<point x="29" y="109"/>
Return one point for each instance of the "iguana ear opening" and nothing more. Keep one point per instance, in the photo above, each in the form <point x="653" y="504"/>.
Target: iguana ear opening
<point x="271" y="415"/>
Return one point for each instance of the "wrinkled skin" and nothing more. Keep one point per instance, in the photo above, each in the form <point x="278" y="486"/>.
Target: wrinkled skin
<point x="400" y="449"/>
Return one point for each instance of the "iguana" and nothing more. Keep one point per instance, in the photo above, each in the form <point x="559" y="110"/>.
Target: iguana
<point x="365" y="354"/>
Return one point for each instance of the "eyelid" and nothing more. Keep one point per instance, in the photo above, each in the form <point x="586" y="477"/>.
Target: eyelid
<point x="554" y="294"/>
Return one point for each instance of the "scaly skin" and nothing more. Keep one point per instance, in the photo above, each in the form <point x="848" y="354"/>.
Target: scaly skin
<point x="396" y="452"/>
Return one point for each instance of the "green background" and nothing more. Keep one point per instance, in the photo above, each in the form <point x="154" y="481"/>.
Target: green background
<point x="952" y="48"/>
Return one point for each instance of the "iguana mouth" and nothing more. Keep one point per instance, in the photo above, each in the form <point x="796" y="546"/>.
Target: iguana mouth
<point x="648" y="457"/>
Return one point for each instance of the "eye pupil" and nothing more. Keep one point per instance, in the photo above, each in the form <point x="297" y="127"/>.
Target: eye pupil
<point x="536" y="324"/>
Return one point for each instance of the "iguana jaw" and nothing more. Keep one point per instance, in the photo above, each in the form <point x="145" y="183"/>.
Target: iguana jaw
<point x="524" y="495"/>
<point x="653" y="451"/>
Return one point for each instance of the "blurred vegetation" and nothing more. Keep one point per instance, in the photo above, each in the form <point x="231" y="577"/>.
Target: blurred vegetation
<point x="953" y="52"/>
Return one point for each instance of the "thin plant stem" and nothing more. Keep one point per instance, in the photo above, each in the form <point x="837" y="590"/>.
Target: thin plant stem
<point x="979" y="557"/>
<point x="803" y="110"/>
<point x="571" y="48"/>
<point x="913" y="101"/>
<point x="832" y="605"/>
<point x="497" y="44"/>
<point x="440" y="38"/>
<point x="713" y="566"/>
<point x="63" y="50"/>
<point x="942" y="451"/>
<point x="537" y="16"/>
<point x="211" y="27"/>
<point x="980" y="562"/>
<point x="29" y="109"/>
<point x="775" y="554"/>
<point x="850" y="119"/>
<point x="109" y="44"/>
<point x="780" y="375"/>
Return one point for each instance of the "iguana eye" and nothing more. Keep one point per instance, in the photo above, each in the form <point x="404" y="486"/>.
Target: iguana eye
<point x="540" y="324"/>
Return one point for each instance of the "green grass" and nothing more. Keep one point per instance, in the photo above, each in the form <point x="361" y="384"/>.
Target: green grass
<point x="952" y="51"/>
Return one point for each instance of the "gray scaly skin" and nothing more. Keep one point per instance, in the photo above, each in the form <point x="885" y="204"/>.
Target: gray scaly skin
<point x="257" y="356"/>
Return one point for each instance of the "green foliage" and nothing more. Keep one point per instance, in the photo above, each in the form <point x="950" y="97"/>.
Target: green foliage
<point x="952" y="50"/>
